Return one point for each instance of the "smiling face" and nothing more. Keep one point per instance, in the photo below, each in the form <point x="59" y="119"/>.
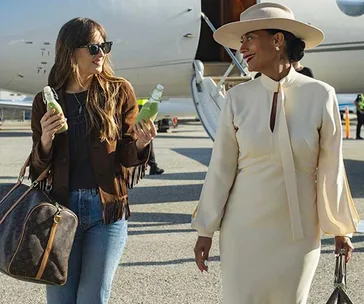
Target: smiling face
<point x="259" y="50"/>
<point x="90" y="64"/>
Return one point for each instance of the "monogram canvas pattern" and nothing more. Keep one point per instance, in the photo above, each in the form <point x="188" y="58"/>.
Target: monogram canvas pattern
<point x="25" y="232"/>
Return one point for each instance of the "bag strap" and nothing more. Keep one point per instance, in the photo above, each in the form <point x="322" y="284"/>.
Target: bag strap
<point x="41" y="177"/>
<point x="340" y="271"/>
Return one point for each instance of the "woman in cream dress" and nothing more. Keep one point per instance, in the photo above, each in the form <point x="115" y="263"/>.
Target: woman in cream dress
<point x="276" y="177"/>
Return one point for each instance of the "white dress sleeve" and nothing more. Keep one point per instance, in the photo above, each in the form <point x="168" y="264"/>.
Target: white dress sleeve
<point x="336" y="208"/>
<point x="220" y="175"/>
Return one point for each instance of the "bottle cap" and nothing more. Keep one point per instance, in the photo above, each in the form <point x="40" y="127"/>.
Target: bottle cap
<point x="47" y="89"/>
<point x="159" y="87"/>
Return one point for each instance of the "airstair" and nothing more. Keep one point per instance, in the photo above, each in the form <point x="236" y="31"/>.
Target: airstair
<point x="209" y="89"/>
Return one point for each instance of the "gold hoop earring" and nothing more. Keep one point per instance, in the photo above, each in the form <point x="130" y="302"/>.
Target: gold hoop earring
<point x="74" y="68"/>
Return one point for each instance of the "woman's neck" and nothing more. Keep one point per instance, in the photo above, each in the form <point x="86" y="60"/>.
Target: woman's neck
<point x="278" y="71"/>
<point x="75" y="86"/>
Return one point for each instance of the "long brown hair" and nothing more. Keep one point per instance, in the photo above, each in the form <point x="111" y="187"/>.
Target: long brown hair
<point x="107" y="93"/>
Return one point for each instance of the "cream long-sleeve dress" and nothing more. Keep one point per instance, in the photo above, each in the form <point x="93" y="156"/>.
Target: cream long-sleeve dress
<point x="271" y="193"/>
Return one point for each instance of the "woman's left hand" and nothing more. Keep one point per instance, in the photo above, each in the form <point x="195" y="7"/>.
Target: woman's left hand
<point x="344" y="242"/>
<point x="145" y="132"/>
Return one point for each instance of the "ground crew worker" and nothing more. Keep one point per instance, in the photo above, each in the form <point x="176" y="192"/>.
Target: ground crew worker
<point x="154" y="169"/>
<point x="359" y="103"/>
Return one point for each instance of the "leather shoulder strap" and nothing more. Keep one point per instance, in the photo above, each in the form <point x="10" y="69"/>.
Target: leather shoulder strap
<point x="23" y="169"/>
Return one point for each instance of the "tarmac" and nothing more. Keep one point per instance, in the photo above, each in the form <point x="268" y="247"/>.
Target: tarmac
<point x="158" y="262"/>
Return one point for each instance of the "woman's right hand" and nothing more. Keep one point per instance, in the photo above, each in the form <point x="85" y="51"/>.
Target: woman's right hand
<point x="202" y="249"/>
<point x="50" y="124"/>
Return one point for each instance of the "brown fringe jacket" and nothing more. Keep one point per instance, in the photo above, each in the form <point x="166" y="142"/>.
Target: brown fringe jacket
<point x="117" y="164"/>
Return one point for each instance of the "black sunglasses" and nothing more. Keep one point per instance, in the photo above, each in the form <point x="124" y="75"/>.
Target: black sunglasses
<point x="94" y="48"/>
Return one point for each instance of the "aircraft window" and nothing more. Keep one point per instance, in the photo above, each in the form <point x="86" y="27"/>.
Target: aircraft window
<point x="353" y="8"/>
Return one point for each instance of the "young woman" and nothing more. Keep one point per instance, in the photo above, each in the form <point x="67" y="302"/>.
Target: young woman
<point x="95" y="161"/>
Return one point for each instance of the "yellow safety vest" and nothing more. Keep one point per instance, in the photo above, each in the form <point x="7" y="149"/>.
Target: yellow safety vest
<point x="360" y="101"/>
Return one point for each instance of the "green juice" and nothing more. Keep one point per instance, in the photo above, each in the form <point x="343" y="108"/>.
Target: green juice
<point x="53" y="104"/>
<point x="150" y="109"/>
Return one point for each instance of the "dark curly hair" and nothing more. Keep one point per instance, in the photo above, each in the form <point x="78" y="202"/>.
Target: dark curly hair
<point x="295" y="47"/>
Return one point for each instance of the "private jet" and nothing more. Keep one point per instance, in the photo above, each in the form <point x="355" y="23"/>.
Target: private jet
<point x="170" y="42"/>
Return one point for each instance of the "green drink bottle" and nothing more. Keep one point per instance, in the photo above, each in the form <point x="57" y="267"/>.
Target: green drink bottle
<point x="150" y="109"/>
<point x="53" y="104"/>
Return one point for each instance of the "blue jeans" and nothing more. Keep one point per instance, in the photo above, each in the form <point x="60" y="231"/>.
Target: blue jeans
<point x="95" y="254"/>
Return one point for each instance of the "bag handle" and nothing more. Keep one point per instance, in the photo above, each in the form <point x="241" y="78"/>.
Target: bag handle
<point x="340" y="271"/>
<point x="42" y="176"/>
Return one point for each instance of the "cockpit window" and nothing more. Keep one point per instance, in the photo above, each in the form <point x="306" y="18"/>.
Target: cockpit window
<point x="353" y="8"/>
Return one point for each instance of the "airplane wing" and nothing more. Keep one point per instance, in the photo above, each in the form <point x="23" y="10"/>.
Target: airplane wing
<point x="346" y="100"/>
<point x="16" y="104"/>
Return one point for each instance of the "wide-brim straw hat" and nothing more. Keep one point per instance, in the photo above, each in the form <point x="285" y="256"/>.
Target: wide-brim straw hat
<point x="267" y="16"/>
